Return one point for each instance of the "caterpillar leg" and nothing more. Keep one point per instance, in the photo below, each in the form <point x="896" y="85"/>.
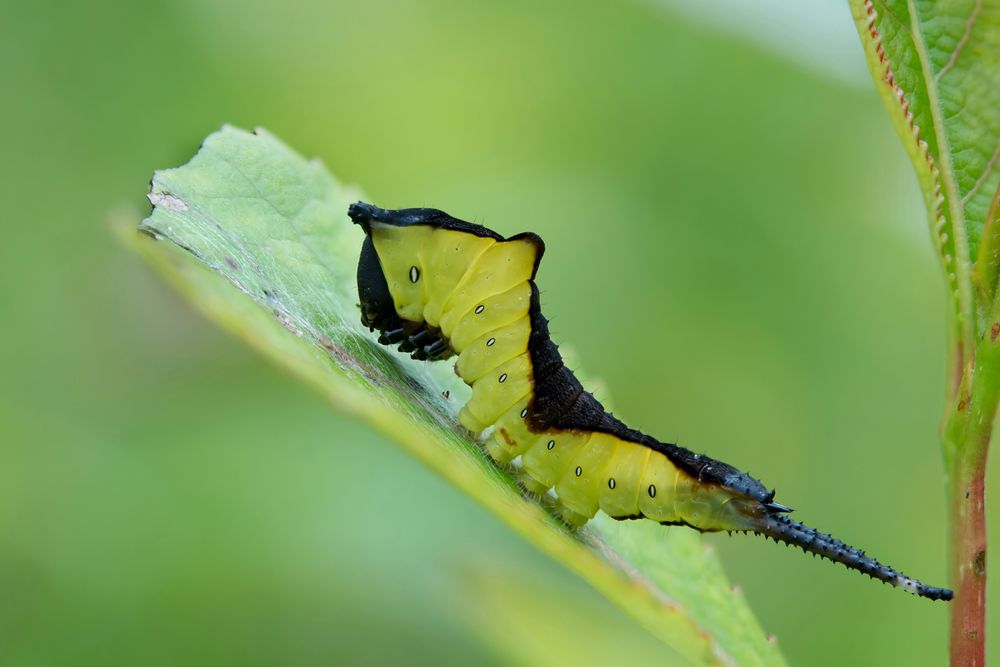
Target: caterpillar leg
<point x="532" y="485"/>
<point x="541" y="491"/>
<point x="423" y="344"/>
<point x="439" y="349"/>
<point x="574" y="519"/>
<point x="417" y="340"/>
<point x="392" y="336"/>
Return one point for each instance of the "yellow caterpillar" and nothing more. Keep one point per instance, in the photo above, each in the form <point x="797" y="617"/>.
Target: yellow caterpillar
<point x="440" y="287"/>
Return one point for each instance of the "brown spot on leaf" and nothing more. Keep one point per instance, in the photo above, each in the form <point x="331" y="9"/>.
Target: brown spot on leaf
<point x="286" y="321"/>
<point x="231" y="263"/>
<point x="994" y="331"/>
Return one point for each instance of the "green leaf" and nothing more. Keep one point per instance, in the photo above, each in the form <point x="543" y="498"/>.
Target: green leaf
<point x="500" y="601"/>
<point x="935" y="64"/>
<point x="270" y="255"/>
<point x="987" y="269"/>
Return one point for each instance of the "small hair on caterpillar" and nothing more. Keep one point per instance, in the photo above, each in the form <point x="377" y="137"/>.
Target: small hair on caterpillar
<point x="439" y="287"/>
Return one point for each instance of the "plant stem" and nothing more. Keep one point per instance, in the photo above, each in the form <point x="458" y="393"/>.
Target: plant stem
<point x="966" y="444"/>
<point x="968" y="568"/>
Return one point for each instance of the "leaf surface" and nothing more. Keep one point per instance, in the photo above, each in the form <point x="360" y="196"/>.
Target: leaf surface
<point x="937" y="67"/>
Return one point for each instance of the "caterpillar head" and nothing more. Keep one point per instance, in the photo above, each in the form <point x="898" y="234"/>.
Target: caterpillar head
<point x="377" y="308"/>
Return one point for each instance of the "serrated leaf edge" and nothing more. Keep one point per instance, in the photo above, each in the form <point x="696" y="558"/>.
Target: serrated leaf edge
<point x="954" y="257"/>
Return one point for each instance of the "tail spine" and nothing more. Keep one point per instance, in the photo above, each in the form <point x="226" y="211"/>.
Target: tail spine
<point x="781" y="528"/>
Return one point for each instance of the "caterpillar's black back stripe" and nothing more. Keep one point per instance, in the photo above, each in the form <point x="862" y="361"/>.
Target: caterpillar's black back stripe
<point x="364" y="214"/>
<point x="561" y="402"/>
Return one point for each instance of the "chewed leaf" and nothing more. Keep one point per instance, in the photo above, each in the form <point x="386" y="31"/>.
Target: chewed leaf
<point x="273" y="230"/>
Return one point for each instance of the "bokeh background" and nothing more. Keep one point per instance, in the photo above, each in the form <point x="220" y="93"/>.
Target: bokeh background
<point x="736" y="246"/>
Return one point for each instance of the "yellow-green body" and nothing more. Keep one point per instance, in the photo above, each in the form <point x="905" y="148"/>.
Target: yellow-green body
<point x="477" y="292"/>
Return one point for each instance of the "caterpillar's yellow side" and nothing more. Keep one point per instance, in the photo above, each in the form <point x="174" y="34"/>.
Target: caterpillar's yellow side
<point x="439" y="287"/>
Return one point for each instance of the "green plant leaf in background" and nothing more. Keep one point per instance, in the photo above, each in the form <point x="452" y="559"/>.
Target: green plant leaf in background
<point x="274" y="225"/>
<point x="937" y="68"/>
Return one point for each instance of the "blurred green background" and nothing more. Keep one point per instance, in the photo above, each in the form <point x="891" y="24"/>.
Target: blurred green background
<point x="736" y="246"/>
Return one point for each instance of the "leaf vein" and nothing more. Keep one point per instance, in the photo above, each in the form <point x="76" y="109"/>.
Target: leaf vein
<point x="986" y="174"/>
<point x="961" y="42"/>
<point x="885" y="11"/>
<point x="947" y="180"/>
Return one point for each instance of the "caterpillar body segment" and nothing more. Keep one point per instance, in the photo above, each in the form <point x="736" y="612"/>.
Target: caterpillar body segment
<point x="439" y="287"/>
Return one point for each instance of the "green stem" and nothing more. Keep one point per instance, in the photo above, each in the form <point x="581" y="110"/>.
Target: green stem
<point x="966" y="445"/>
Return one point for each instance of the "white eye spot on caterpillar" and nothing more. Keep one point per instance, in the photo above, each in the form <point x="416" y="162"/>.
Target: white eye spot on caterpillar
<point x="414" y="274"/>
<point x="490" y="342"/>
<point x="479" y="309"/>
<point x="524" y="413"/>
<point x="578" y="471"/>
<point x="651" y="491"/>
<point x="611" y="483"/>
<point x="552" y="443"/>
<point x="503" y="378"/>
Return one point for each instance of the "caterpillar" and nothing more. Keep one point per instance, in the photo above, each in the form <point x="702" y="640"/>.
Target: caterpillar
<point x="439" y="287"/>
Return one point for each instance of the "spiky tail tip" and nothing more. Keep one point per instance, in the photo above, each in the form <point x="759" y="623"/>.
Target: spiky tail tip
<point x="783" y="529"/>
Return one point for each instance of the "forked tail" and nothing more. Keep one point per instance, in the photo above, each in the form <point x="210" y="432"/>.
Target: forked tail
<point x="783" y="529"/>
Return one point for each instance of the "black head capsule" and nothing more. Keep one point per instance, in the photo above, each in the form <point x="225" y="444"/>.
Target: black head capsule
<point x="377" y="308"/>
<point x="362" y="214"/>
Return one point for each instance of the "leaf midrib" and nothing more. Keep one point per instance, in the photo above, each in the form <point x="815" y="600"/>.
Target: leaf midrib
<point x="963" y="273"/>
